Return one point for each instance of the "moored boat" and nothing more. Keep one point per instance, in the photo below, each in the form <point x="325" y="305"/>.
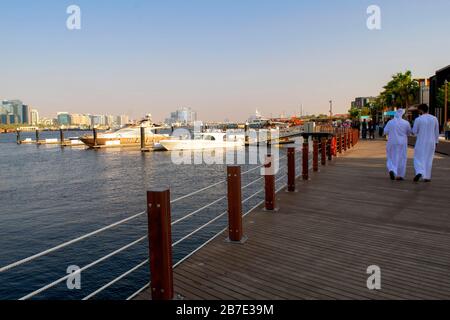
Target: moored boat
<point x="206" y="140"/>
<point x="126" y="137"/>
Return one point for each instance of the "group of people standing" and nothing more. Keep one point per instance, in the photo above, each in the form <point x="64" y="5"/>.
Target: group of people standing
<point x="368" y="127"/>
<point x="426" y="130"/>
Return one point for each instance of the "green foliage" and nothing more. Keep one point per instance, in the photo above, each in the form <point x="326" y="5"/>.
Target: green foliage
<point x="354" y="113"/>
<point x="441" y="96"/>
<point x="400" y="91"/>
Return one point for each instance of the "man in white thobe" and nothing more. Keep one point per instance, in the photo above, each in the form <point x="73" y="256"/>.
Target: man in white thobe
<point x="397" y="131"/>
<point x="426" y="129"/>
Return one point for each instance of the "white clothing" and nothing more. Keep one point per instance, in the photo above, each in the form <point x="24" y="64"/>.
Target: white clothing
<point x="397" y="131"/>
<point x="426" y="128"/>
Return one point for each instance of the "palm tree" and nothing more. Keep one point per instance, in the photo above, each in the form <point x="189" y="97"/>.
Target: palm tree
<point x="401" y="91"/>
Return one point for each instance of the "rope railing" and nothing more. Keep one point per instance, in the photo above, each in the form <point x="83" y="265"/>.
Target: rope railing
<point x="197" y="192"/>
<point x="67" y="243"/>
<point x="123" y="275"/>
<point x="54" y="283"/>
<point x="198" y="210"/>
<point x="275" y="180"/>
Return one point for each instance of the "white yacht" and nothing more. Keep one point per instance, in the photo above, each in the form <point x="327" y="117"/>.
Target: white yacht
<point x="206" y="140"/>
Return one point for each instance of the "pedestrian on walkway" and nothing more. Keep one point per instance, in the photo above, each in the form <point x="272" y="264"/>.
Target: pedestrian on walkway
<point x="372" y="128"/>
<point x="447" y="130"/>
<point x="397" y="131"/>
<point x="426" y="129"/>
<point x="364" y="129"/>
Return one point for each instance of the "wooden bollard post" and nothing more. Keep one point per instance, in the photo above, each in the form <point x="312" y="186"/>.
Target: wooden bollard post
<point x="315" y="155"/>
<point x="160" y="244"/>
<point x="345" y="141"/>
<point x="18" y="136"/>
<point x="142" y="138"/>
<point x="37" y="136"/>
<point x="61" y="136"/>
<point x="234" y="203"/>
<point x="246" y="134"/>
<point x="339" y="144"/>
<point x="291" y="169"/>
<point x="94" y="133"/>
<point x="334" y="146"/>
<point x="330" y="155"/>
<point x="323" y="153"/>
<point x="305" y="160"/>
<point x="349" y="145"/>
<point x="269" y="183"/>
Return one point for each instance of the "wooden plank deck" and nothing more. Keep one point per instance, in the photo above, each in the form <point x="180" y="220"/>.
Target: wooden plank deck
<point x="319" y="244"/>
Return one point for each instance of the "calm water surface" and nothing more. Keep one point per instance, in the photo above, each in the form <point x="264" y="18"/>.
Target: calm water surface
<point x="49" y="195"/>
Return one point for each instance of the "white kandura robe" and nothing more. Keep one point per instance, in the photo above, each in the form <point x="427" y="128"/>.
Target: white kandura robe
<point x="397" y="131"/>
<point x="426" y="128"/>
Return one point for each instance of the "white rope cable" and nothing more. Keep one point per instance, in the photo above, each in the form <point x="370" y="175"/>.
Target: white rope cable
<point x="65" y="244"/>
<point x="123" y="275"/>
<point x="138" y="291"/>
<point x="211" y="239"/>
<point x="252" y="196"/>
<point x="253" y="169"/>
<point x="251" y="183"/>
<point x="199" y="228"/>
<point x="32" y="294"/>
<point x="198" y="210"/>
<point x="198" y="191"/>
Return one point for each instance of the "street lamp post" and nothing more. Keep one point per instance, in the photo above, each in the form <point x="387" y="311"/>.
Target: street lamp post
<point x="446" y="104"/>
<point x="331" y="110"/>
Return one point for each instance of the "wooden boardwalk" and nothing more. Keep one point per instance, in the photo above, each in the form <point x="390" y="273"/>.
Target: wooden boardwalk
<point x="321" y="241"/>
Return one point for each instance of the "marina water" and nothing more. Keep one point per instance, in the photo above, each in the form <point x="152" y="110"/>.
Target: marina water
<point x="49" y="195"/>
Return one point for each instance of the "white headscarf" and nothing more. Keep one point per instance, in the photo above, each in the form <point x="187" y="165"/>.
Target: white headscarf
<point x="399" y="114"/>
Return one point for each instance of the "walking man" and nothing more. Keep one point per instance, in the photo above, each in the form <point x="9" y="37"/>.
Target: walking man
<point x="426" y="129"/>
<point x="364" y="129"/>
<point x="397" y="131"/>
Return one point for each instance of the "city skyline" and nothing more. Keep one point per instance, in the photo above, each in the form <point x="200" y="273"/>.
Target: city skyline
<point x="223" y="59"/>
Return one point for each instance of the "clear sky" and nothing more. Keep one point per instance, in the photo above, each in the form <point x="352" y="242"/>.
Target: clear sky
<point x="223" y="58"/>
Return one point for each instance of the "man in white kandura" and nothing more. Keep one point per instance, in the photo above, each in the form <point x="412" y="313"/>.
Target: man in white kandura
<point x="397" y="131"/>
<point x="426" y="128"/>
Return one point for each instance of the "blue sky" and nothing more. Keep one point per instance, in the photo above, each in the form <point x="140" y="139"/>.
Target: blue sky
<point x="222" y="58"/>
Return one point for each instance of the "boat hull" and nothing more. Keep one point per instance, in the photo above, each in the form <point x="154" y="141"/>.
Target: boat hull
<point x="176" y="145"/>
<point x="121" y="142"/>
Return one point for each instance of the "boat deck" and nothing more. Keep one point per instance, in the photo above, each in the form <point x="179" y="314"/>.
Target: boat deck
<point x="319" y="244"/>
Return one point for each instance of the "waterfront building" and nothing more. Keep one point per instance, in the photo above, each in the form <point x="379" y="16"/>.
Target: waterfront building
<point x="63" y="118"/>
<point x="362" y="102"/>
<point x="98" y="120"/>
<point x="184" y="115"/>
<point x="14" y="112"/>
<point x="124" y="120"/>
<point x="436" y="82"/>
<point x="80" y="120"/>
<point x="34" y="117"/>
<point x="424" y="91"/>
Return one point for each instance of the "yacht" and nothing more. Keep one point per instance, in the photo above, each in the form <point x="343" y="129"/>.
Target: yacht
<point x="128" y="136"/>
<point x="205" y="140"/>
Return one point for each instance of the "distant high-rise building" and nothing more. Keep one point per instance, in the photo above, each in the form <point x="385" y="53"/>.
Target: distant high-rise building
<point x="34" y="117"/>
<point x="80" y="120"/>
<point x="63" y="118"/>
<point x="124" y="120"/>
<point x="362" y="102"/>
<point x="184" y="115"/>
<point x="15" y="111"/>
<point x="25" y="114"/>
<point x="98" y="120"/>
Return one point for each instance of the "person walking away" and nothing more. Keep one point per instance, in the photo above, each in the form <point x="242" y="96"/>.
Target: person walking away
<point x="426" y="129"/>
<point x="397" y="131"/>
<point x="380" y="128"/>
<point x="371" y="132"/>
<point x="364" y="129"/>
<point x="447" y="130"/>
